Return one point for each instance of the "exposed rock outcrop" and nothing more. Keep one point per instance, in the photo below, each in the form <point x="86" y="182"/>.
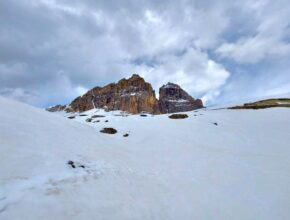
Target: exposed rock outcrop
<point x="56" y="108"/>
<point x="109" y="130"/>
<point x="132" y="95"/>
<point x="172" y="99"/>
<point x="178" y="116"/>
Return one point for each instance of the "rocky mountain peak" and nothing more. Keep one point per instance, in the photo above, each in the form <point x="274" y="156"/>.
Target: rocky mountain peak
<point x="135" y="76"/>
<point x="171" y="85"/>
<point x="172" y="98"/>
<point x="134" y="95"/>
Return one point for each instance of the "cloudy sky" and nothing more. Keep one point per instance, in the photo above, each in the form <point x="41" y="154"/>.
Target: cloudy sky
<point x="222" y="51"/>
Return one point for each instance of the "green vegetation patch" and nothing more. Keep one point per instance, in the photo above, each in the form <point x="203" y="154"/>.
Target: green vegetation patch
<point x="268" y="103"/>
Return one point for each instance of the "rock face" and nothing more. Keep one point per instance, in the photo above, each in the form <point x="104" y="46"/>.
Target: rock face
<point x="56" y="108"/>
<point x="132" y="95"/>
<point x="172" y="99"/>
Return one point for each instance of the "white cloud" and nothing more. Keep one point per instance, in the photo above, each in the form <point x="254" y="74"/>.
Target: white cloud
<point x="52" y="4"/>
<point x="96" y="42"/>
<point x="255" y="49"/>
<point x="194" y="71"/>
<point x="20" y="95"/>
<point x="269" y="38"/>
<point x="153" y="18"/>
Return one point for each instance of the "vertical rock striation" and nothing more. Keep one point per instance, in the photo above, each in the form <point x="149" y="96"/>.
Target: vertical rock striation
<point x="132" y="95"/>
<point x="172" y="98"/>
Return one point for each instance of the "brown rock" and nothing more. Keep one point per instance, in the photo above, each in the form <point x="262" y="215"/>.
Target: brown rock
<point x="132" y="95"/>
<point x="178" y="116"/>
<point x="109" y="130"/>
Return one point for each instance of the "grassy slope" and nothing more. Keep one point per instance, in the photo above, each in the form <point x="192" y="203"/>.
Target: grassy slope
<point x="268" y="103"/>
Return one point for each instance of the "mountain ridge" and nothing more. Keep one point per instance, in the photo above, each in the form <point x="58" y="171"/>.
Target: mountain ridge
<point x="133" y="95"/>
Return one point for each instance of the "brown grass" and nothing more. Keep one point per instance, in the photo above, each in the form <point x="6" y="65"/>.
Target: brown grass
<point x="268" y="103"/>
<point x="178" y="116"/>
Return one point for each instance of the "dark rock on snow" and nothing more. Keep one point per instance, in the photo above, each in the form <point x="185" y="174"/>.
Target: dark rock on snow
<point x="98" y="116"/>
<point x="109" y="130"/>
<point x="178" y="116"/>
<point x="71" y="163"/>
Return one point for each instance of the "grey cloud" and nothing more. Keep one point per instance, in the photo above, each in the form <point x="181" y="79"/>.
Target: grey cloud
<point x="51" y="51"/>
<point x="268" y="39"/>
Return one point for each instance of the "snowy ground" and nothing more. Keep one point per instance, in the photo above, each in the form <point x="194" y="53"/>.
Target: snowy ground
<point x="165" y="169"/>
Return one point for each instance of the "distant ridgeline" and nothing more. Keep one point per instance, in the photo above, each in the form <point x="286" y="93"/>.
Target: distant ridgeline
<point x="268" y="103"/>
<point x="133" y="95"/>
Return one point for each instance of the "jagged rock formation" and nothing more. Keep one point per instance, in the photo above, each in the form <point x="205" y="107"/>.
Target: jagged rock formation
<point x="132" y="95"/>
<point x="56" y="108"/>
<point x="172" y="99"/>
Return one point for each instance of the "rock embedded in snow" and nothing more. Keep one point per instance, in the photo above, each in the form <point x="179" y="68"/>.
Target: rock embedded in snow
<point x="71" y="163"/>
<point x="74" y="165"/>
<point x="178" y="116"/>
<point x="109" y="130"/>
<point x="98" y="116"/>
<point x="89" y="120"/>
<point x="172" y="98"/>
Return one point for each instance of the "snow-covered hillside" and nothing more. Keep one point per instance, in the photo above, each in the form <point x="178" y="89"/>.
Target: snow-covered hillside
<point x="165" y="169"/>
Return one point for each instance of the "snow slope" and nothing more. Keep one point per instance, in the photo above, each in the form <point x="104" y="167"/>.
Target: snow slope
<point x="165" y="169"/>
